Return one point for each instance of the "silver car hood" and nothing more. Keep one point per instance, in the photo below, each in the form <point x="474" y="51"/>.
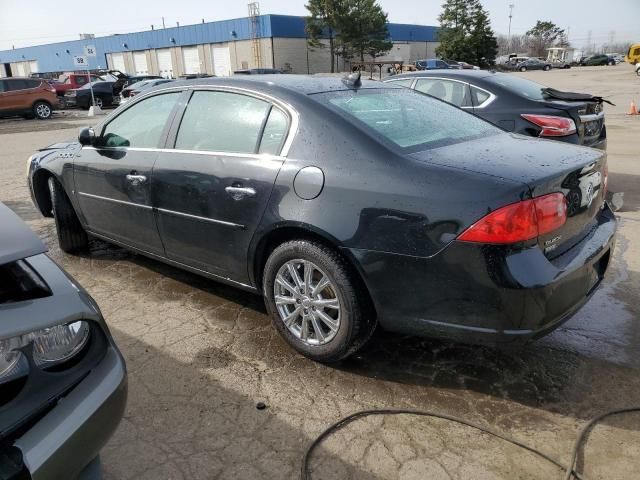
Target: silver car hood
<point x="17" y="241"/>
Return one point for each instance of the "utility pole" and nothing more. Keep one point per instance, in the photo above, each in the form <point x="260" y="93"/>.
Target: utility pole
<point x="163" y="23"/>
<point x="589" y="42"/>
<point x="511" y="5"/>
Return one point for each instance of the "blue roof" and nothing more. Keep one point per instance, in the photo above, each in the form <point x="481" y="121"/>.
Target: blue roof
<point x="59" y="56"/>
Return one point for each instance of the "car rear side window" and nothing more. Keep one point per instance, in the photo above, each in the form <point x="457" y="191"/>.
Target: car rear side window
<point x="407" y="119"/>
<point x="33" y="83"/>
<point x="479" y="96"/>
<point x="142" y="124"/>
<point x="455" y="93"/>
<point x="274" y="133"/>
<point x="222" y="122"/>
<point x="16" y="84"/>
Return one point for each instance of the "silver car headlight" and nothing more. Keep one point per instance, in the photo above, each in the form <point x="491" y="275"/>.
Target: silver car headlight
<point x="51" y="346"/>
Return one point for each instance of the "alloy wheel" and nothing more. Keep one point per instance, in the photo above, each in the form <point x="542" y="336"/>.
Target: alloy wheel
<point x="43" y="110"/>
<point x="98" y="102"/>
<point x="307" y="302"/>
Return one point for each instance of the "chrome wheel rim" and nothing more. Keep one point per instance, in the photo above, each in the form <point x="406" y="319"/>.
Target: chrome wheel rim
<point x="43" y="110"/>
<point x="307" y="302"/>
<point x="98" y="102"/>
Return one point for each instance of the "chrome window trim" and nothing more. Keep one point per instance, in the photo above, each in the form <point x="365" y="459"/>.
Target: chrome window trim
<point x="197" y="217"/>
<point x="415" y="84"/>
<point x="488" y="101"/>
<point x="122" y="202"/>
<point x="257" y="156"/>
<point x="292" y="113"/>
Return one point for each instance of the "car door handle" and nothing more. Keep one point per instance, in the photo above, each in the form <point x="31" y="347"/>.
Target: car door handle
<point x="238" y="193"/>
<point x="136" y="179"/>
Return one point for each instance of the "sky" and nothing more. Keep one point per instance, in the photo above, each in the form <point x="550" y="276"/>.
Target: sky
<point x="34" y="22"/>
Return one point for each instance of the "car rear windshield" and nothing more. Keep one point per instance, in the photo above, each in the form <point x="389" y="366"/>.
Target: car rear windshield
<point x="518" y="85"/>
<point x="407" y="119"/>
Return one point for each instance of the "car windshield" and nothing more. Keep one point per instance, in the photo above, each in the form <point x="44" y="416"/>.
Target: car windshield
<point x="407" y="119"/>
<point x="518" y="85"/>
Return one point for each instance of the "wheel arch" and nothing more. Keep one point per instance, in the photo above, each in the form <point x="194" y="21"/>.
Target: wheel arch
<point x="282" y="233"/>
<point x="40" y="188"/>
<point x="43" y="100"/>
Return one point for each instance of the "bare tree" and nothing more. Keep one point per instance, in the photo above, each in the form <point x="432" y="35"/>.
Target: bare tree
<point x="515" y="44"/>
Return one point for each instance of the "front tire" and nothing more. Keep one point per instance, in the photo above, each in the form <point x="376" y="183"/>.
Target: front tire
<point x="71" y="235"/>
<point x="315" y="303"/>
<point x="42" y="110"/>
<point x="523" y="69"/>
<point x="546" y="68"/>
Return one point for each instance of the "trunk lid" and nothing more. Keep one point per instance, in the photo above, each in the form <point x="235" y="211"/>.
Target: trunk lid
<point x="545" y="166"/>
<point x="588" y="116"/>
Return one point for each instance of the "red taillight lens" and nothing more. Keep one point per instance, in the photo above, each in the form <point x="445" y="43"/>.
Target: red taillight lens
<point x="551" y="125"/>
<point x="551" y="212"/>
<point x="519" y="221"/>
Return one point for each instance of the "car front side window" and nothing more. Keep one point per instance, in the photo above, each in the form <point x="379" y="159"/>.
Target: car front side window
<point x="141" y="125"/>
<point x="222" y="122"/>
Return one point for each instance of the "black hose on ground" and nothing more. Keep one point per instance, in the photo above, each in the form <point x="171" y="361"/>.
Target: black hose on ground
<point x="568" y="469"/>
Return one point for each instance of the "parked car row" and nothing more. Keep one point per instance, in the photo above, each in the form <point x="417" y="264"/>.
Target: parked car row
<point x="437" y="64"/>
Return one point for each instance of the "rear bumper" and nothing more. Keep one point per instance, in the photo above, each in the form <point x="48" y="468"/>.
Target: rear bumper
<point x="486" y="294"/>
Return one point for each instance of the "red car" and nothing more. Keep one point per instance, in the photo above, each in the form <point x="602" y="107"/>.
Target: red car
<point x="73" y="81"/>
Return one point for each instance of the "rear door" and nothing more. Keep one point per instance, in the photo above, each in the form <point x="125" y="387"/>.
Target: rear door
<point x="15" y="97"/>
<point x="113" y="179"/>
<point x="211" y="187"/>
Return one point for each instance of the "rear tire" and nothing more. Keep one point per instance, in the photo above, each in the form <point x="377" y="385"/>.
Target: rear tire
<point x="351" y="321"/>
<point x="71" y="235"/>
<point x="42" y="110"/>
<point x="546" y="68"/>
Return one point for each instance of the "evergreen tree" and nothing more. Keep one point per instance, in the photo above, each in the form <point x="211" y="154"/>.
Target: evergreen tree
<point x="465" y="33"/>
<point x="363" y="29"/>
<point x="544" y="35"/>
<point x="321" y="23"/>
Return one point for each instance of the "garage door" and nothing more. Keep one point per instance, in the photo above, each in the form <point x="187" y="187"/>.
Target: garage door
<point x="20" y="70"/>
<point x="221" y="61"/>
<point x="191" y="60"/>
<point x="140" y="63"/>
<point x="165" y="64"/>
<point x="33" y="66"/>
<point x="117" y="62"/>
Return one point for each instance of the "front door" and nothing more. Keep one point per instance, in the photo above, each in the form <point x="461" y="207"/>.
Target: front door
<point x="211" y="190"/>
<point x="113" y="178"/>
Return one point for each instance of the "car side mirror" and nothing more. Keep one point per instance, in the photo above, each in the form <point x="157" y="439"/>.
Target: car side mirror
<point x="87" y="136"/>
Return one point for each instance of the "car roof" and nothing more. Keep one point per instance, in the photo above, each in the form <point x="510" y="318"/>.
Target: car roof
<point x="460" y="74"/>
<point x="305" y="84"/>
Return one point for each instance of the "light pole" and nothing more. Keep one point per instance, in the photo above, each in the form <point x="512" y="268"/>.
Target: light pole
<point x="511" y="5"/>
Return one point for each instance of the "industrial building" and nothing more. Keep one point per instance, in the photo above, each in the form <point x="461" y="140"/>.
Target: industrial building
<point x="214" y="48"/>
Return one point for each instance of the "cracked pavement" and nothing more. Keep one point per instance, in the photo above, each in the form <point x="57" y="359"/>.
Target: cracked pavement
<point x="201" y="355"/>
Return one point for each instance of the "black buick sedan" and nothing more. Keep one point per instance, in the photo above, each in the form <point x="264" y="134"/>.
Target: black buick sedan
<point x="346" y="204"/>
<point x="516" y="104"/>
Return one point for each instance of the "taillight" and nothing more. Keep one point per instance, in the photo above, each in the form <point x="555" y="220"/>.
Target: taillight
<point x="520" y="221"/>
<point x="551" y="125"/>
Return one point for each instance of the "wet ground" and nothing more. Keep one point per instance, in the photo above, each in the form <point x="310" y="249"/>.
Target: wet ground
<point x="201" y="355"/>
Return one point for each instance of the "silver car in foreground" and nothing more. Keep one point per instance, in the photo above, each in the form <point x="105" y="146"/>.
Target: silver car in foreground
<point x="63" y="382"/>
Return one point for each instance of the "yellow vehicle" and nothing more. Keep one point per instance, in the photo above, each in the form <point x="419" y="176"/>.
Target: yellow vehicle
<point x="633" y="55"/>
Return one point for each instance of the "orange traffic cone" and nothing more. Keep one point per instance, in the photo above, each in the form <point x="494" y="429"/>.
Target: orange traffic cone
<point x="632" y="109"/>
